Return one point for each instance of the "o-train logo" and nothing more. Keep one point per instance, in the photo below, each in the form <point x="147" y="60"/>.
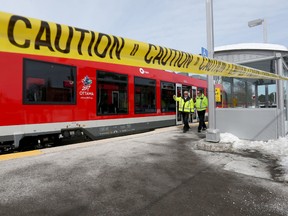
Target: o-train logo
<point x="142" y="71"/>
<point x="85" y="92"/>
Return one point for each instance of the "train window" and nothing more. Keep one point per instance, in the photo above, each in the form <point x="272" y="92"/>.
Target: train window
<point x="112" y="93"/>
<point x="48" y="83"/>
<point x="145" y="99"/>
<point x="167" y="101"/>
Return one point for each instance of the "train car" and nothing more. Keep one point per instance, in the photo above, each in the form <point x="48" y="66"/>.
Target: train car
<point x="44" y="98"/>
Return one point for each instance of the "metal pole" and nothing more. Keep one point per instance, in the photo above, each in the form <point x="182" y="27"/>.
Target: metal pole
<point x="280" y="98"/>
<point x="256" y="96"/>
<point x="212" y="134"/>
<point x="266" y="96"/>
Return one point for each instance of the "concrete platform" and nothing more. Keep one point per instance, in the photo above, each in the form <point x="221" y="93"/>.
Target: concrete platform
<point x="163" y="172"/>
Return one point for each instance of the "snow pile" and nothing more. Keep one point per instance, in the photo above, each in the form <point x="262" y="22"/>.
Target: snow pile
<point x="276" y="148"/>
<point x="228" y="138"/>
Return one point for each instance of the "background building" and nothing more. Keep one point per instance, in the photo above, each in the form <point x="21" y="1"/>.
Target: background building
<point x="256" y="109"/>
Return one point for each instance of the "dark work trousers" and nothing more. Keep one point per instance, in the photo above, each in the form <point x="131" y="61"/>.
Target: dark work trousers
<point x="185" y="118"/>
<point x="201" y="115"/>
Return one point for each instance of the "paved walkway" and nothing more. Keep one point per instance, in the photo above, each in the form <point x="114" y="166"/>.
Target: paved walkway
<point x="155" y="173"/>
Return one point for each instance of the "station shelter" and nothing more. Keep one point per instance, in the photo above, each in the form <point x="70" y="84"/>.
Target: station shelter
<point x="254" y="109"/>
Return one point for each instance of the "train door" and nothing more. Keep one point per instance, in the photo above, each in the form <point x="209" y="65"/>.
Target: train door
<point x="178" y="93"/>
<point x="193" y="94"/>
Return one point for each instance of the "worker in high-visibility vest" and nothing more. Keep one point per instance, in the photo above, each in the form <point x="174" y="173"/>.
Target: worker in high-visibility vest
<point x="201" y="106"/>
<point x="186" y="106"/>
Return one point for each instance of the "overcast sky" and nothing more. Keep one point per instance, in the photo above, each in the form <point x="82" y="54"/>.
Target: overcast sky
<point x="177" y="24"/>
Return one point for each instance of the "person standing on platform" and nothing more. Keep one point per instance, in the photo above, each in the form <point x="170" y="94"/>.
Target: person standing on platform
<point x="186" y="106"/>
<point x="201" y="106"/>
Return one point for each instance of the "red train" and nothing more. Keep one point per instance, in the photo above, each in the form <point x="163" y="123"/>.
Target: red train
<point x="45" y="97"/>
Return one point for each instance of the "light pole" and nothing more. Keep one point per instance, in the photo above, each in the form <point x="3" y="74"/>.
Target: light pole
<point x="257" y="22"/>
<point x="213" y="134"/>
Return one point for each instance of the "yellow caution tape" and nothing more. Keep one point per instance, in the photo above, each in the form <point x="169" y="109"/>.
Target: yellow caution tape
<point x="19" y="34"/>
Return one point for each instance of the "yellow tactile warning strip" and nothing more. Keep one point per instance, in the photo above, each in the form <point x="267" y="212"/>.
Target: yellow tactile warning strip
<point x="20" y="155"/>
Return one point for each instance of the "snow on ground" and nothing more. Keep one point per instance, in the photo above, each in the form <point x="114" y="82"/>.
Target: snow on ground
<point x="275" y="148"/>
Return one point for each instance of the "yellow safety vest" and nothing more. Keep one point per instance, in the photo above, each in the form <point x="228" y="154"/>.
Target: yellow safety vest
<point x="185" y="106"/>
<point x="201" y="102"/>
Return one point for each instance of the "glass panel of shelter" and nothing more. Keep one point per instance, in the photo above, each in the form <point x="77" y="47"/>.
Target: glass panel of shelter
<point x="250" y="93"/>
